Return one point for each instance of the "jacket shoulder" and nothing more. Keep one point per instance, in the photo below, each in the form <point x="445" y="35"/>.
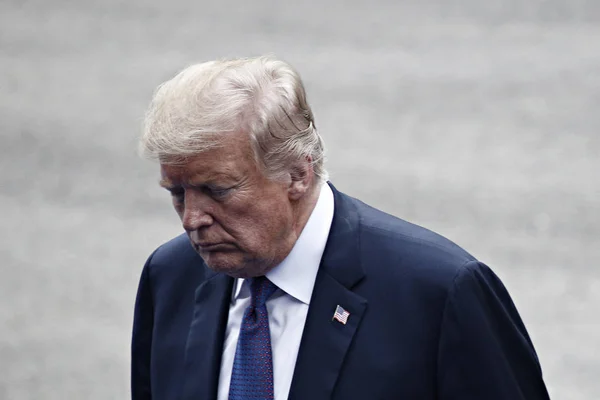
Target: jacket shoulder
<point x="174" y="262"/>
<point x="176" y="248"/>
<point x="408" y="251"/>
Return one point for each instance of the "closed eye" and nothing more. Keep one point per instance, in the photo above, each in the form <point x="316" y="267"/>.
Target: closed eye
<point x="178" y="194"/>
<point x="218" y="193"/>
<point x="215" y="192"/>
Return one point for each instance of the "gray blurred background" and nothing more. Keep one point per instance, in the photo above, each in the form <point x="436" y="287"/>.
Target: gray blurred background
<point x="477" y="119"/>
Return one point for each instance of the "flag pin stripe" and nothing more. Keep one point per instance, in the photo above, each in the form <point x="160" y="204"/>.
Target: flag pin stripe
<point x="340" y="315"/>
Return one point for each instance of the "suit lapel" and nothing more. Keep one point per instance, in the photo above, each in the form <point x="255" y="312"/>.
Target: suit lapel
<point x="325" y="342"/>
<point x="205" y="339"/>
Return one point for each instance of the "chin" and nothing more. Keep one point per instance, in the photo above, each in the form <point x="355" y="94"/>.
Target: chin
<point x="226" y="263"/>
<point x="233" y="264"/>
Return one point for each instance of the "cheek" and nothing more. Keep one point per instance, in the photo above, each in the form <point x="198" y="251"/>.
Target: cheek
<point x="262" y="223"/>
<point x="275" y="222"/>
<point x="178" y="209"/>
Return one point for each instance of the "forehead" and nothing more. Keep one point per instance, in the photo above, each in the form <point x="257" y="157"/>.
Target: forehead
<point x="232" y="159"/>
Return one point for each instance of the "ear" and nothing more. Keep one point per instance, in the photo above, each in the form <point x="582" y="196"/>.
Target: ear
<point x="302" y="176"/>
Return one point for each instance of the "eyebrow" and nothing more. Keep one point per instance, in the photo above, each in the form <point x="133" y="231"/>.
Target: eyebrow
<point x="167" y="184"/>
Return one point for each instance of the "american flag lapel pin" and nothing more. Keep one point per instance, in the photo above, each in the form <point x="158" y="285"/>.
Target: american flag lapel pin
<point x="340" y="315"/>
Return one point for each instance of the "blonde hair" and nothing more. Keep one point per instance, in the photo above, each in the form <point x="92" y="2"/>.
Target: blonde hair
<point x="261" y="96"/>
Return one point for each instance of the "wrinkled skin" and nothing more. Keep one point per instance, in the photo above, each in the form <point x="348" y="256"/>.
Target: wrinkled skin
<point x="240" y="222"/>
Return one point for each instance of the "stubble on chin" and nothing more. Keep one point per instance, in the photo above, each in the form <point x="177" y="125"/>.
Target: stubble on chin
<point x="243" y="268"/>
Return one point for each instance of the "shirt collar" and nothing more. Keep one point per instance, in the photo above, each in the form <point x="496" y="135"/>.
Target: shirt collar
<point x="297" y="273"/>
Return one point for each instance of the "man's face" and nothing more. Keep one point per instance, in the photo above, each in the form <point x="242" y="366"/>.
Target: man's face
<point x="240" y="222"/>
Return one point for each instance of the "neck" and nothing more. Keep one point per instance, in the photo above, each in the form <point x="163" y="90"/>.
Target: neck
<point x="305" y="207"/>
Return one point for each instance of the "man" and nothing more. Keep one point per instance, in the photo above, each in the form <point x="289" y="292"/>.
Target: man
<point x="285" y="287"/>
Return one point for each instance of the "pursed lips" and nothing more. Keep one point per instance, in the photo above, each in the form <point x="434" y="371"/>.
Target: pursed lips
<point x="213" y="246"/>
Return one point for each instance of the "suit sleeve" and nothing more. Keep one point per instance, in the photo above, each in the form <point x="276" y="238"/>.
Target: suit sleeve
<point x="141" y="343"/>
<point x="485" y="351"/>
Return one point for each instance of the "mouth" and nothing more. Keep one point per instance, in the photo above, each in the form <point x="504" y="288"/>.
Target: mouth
<point x="208" y="247"/>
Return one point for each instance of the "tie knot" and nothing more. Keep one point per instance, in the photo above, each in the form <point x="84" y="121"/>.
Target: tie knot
<point x="261" y="289"/>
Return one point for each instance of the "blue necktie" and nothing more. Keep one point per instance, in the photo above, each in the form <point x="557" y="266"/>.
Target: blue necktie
<point x="252" y="374"/>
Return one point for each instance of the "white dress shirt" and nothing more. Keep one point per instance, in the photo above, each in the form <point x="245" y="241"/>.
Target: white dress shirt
<point x="288" y="307"/>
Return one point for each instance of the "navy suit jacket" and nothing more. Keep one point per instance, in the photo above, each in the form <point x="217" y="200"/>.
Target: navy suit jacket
<point x="427" y="321"/>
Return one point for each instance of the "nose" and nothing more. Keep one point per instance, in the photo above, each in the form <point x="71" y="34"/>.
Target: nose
<point x="196" y="212"/>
